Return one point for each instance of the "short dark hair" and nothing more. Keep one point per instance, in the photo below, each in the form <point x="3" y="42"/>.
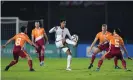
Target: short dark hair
<point x="118" y="31"/>
<point x="104" y="25"/>
<point x="62" y="20"/>
<point x="23" y="28"/>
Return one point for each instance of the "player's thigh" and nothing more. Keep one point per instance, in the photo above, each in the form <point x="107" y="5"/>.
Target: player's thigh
<point x="119" y="56"/>
<point x="24" y="54"/>
<point x="103" y="47"/>
<point x="15" y="56"/>
<point x="97" y="50"/>
<point x="59" y="44"/>
<point x="42" y="48"/>
<point x="16" y="51"/>
<point x="109" y="56"/>
<point x="38" y="49"/>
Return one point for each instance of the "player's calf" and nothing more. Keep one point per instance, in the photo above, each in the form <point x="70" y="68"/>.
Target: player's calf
<point x="69" y="59"/>
<point x="29" y="62"/>
<point x="42" y="57"/>
<point x="93" y="58"/>
<point x="11" y="64"/>
<point x="116" y="63"/>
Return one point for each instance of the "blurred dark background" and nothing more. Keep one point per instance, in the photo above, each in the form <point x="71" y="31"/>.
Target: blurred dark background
<point x="83" y="17"/>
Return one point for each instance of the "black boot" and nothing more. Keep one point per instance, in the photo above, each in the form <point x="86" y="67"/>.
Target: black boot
<point x="90" y="66"/>
<point x="7" y="67"/>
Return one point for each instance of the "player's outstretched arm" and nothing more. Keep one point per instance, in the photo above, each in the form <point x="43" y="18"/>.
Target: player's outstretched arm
<point x="31" y="43"/>
<point x="52" y="30"/>
<point x="93" y="43"/>
<point x="125" y="50"/>
<point x="7" y="42"/>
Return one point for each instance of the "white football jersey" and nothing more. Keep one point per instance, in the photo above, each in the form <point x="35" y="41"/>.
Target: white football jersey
<point x="60" y="33"/>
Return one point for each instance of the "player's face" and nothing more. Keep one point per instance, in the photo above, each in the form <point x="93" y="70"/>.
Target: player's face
<point x="104" y="28"/>
<point x="26" y="30"/>
<point x="63" y="24"/>
<point x="37" y="25"/>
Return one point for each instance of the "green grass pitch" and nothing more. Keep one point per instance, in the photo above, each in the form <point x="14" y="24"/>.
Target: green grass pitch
<point x="54" y="69"/>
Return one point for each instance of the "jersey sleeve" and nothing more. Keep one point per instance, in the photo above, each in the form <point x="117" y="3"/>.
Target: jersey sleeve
<point x="97" y="36"/>
<point x="52" y="30"/>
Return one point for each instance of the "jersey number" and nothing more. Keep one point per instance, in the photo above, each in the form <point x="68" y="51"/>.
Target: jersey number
<point x="18" y="41"/>
<point x="117" y="43"/>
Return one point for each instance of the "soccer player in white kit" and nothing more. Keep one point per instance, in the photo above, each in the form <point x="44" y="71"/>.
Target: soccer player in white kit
<point x="61" y="41"/>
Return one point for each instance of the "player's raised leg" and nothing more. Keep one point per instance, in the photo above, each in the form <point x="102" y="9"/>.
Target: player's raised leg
<point x="93" y="57"/>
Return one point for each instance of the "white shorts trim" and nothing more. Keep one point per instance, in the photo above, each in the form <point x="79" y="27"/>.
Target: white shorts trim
<point x="38" y="38"/>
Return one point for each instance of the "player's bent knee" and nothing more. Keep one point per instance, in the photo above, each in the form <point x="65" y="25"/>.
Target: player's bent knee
<point x="97" y="51"/>
<point x="68" y="52"/>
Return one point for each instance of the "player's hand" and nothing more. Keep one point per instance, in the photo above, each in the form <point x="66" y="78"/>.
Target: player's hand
<point x="3" y="46"/>
<point x="129" y="58"/>
<point x="89" y="50"/>
<point x="36" y="46"/>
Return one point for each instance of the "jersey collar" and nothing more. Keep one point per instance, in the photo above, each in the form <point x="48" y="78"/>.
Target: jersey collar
<point x="105" y="32"/>
<point x="22" y="33"/>
<point x="38" y="28"/>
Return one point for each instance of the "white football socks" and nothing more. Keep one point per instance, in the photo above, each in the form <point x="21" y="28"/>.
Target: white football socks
<point x="69" y="58"/>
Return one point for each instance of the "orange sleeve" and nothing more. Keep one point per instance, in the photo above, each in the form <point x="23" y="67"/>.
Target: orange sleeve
<point x="33" y="34"/>
<point x="97" y="36"/>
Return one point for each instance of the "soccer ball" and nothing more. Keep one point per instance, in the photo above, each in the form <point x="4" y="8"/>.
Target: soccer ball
<point x="75" y="38"/>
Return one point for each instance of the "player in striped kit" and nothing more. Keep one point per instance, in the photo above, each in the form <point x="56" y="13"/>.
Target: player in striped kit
<point x="40" y="38"/>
